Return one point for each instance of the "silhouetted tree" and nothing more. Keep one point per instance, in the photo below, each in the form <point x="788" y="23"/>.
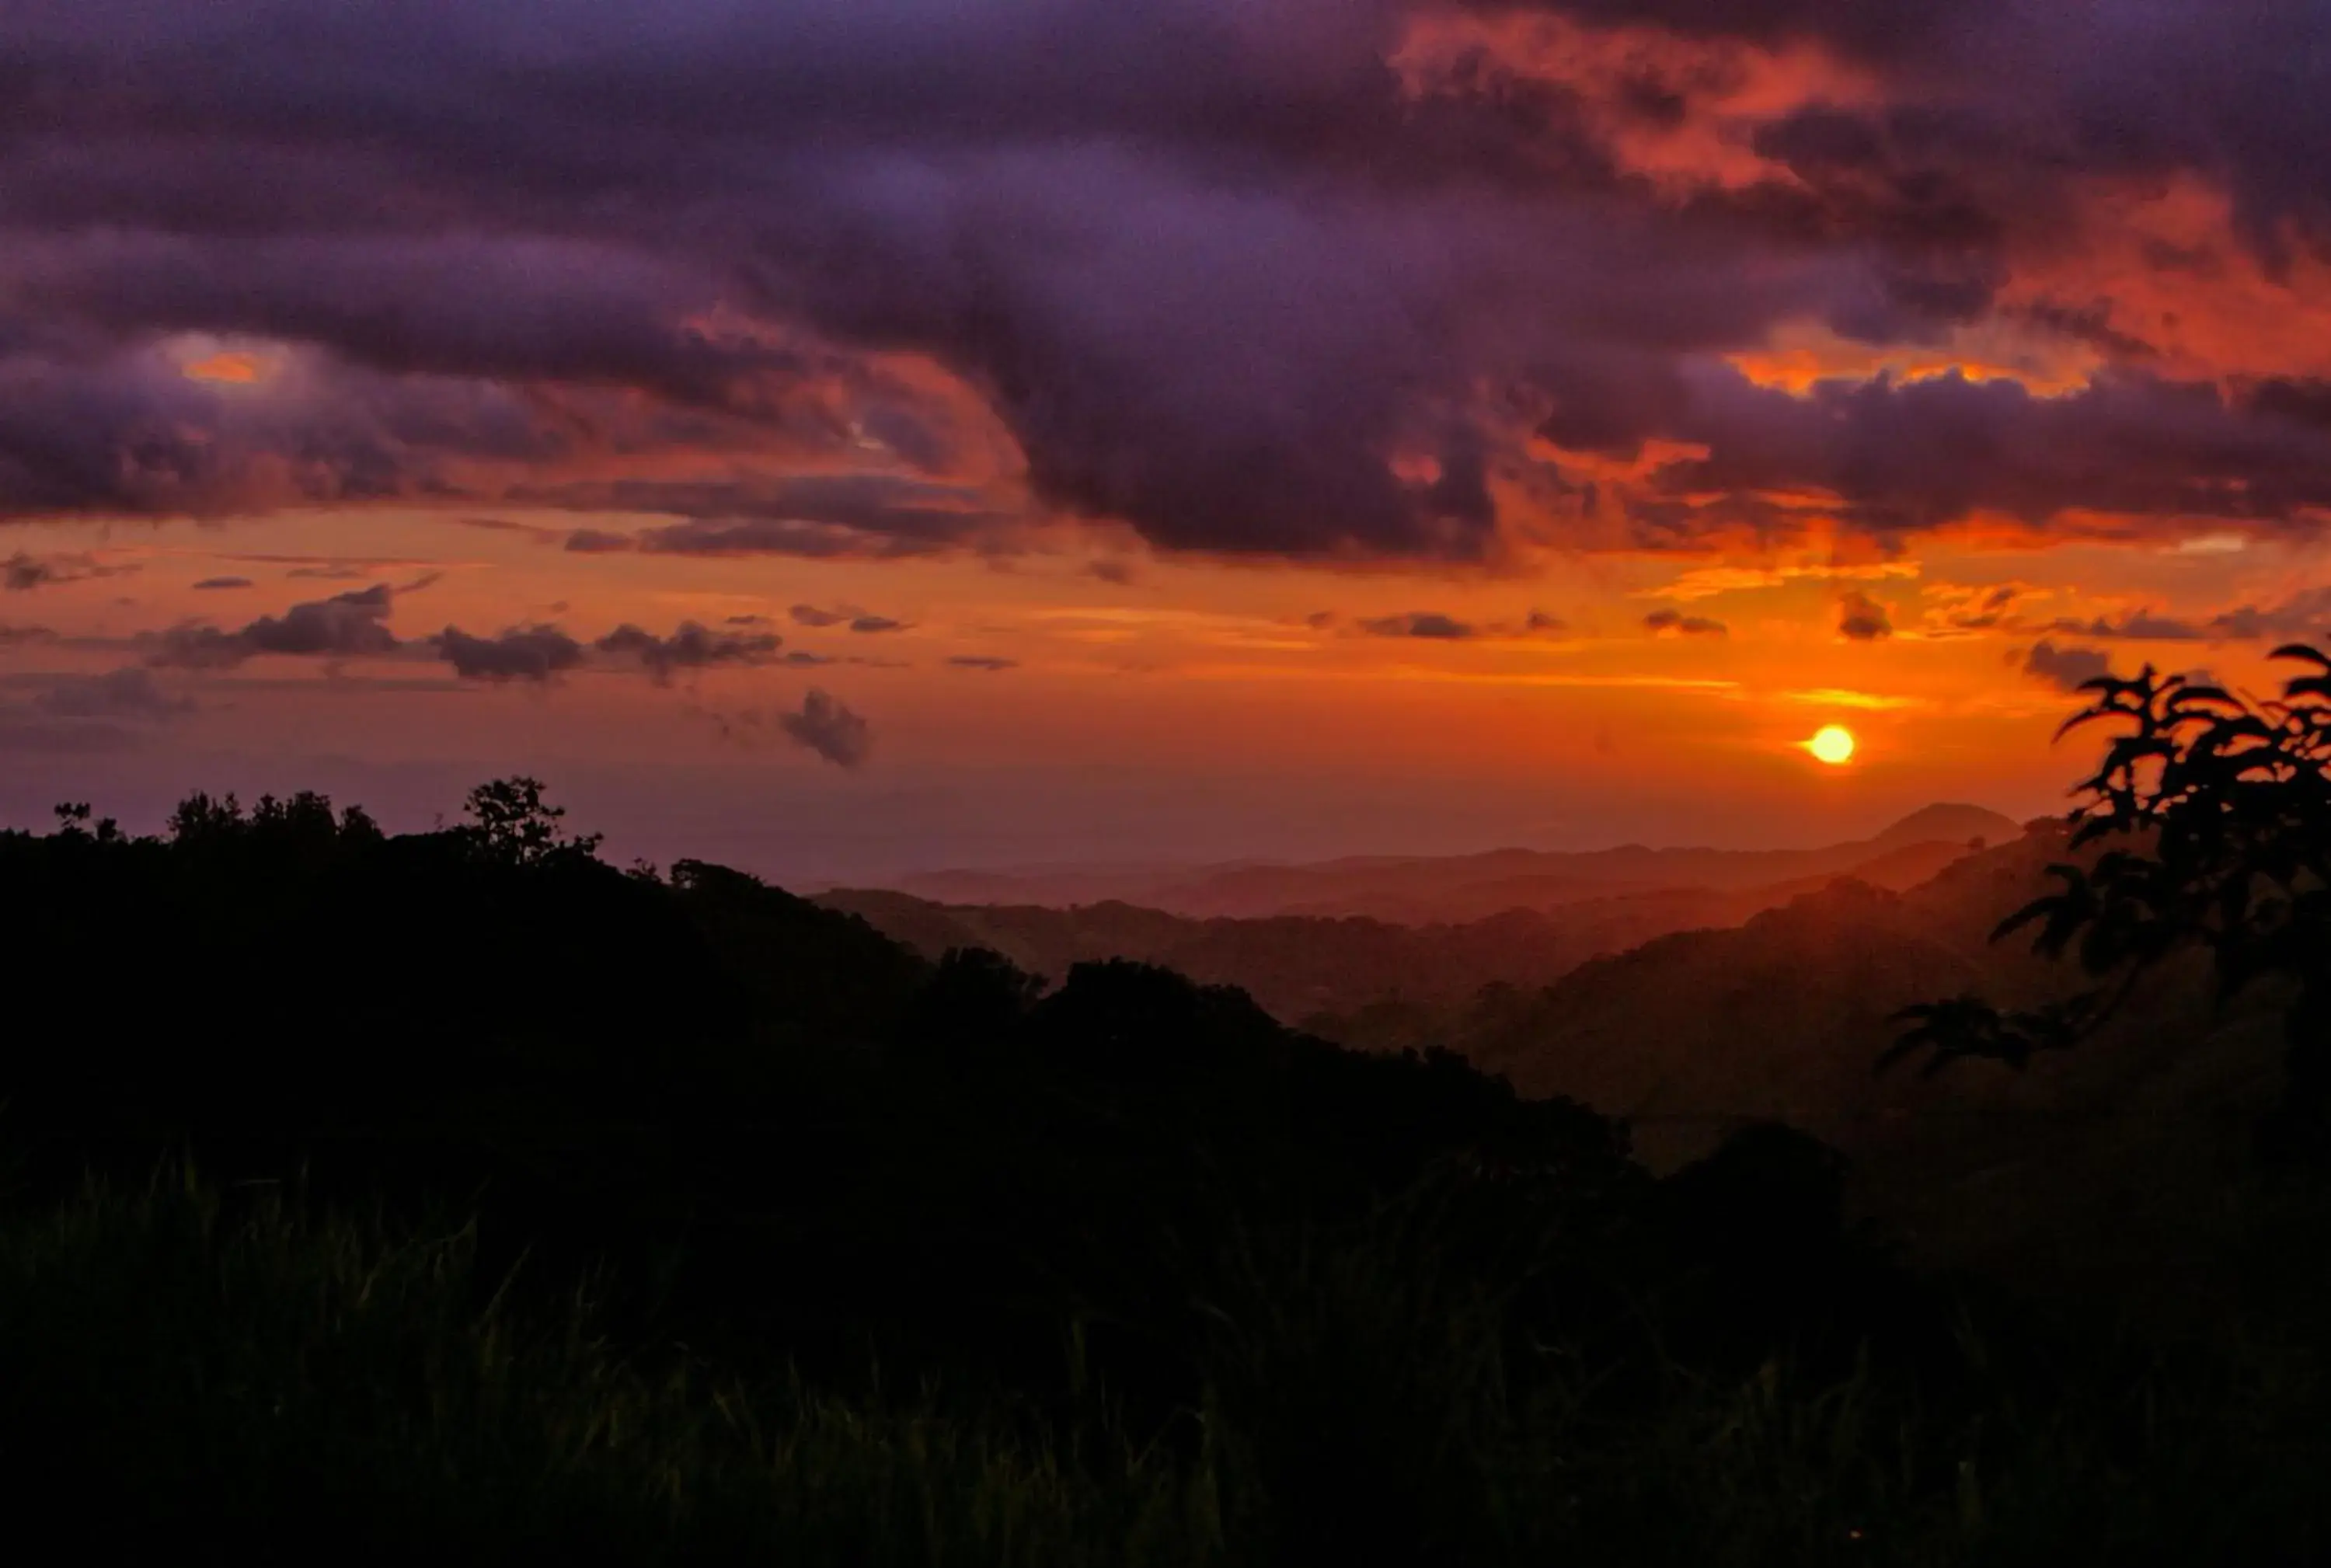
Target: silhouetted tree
<point x="2213" y="816"/>
<point x="510" y="822"/>
<point x="200" y="819"/>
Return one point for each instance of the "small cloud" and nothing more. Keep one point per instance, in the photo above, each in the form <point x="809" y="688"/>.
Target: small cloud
<point x="803" y="657"/>
<point x="213" y="585"/>
<point x="599" y="542"/>
<point x="1119" y="572"/>
<point x="689" y="647"/>
<point x="1959" y="610"/>
<point x="1862" y="619"/>
<point x="132" y="692"/>
<point x="1429" y="624"/>
<point x="2067" y="668"/>
<point x="505" y="526"/>
<point x="849" y="615"/>
<point x="983" y="662"/>
<point x="830" y="729"/>
<point x="1660" y="622"/>
<point x="2139" y="626"/>
<point x="746" y="621"/>
<point x="1320" y="619"/>
<point x="16" y="636"/>
<point x="1541" y="624"/>
<point x="345" y="626"/>
<point x="521" y="653"/>
<point x="22" y="572"/>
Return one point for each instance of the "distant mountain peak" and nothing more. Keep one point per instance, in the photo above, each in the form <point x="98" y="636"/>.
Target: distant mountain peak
<point x="1952" y="822"/>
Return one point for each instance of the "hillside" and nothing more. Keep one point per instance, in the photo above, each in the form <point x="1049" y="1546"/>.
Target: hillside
<point x="1419" y="890"/>
<point x="1316" y="968"/>
<point x="1784" y="1017"/>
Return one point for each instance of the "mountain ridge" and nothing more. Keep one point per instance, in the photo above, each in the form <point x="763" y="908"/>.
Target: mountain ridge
<point x="1426" y="889"/>
<point x="1321" y="971"/>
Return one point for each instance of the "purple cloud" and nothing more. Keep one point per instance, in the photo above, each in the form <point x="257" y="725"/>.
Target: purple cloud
<point x="1683" y="625"/>
<point x="1429" y="624"/>
<point x="529" y="654"/>
<point x="2067" y="668"/>
<point x="1245" y="278"/>
<point x="824" y="726"/>
<point x="347" y="626"/>
<point x="1862" y="619"/>
<point x="689" y="647"/>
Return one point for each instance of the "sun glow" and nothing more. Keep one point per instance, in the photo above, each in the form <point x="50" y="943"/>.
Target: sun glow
<point x="1832" y="744"/>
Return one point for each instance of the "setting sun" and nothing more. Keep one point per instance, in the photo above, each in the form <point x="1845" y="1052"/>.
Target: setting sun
<point x="1833" y="744"/>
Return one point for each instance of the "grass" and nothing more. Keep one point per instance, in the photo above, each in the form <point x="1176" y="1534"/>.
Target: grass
<point x="229" y="1370"/>
<point x="234" y="1373"/>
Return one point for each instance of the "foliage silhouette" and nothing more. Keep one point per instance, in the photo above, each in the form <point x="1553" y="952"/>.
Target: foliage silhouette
<point x="2210" y="816"/>
<point x="509" y="821"/>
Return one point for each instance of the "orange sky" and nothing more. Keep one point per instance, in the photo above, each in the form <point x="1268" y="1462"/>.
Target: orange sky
<point x="1292" y="431"/>
<point x="1201" y="677"/>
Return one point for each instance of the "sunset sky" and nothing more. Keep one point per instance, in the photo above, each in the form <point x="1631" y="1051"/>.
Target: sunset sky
<point x="844" y="437"/>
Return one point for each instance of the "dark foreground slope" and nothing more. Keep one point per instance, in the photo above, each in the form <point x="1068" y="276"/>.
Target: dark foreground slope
<point x="548" y="1210"/>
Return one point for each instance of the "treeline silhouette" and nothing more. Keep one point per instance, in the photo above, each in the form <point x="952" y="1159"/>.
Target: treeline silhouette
<point x="890" y="1260"/>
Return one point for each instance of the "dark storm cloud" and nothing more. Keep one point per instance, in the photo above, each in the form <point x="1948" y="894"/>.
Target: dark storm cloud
<point x="1881" y="32"/>
<point x="832" y="730"/>
<point x="1862" y="619"/>
<point x="689" y="647"/>
<point x="1429" y="624"/>
<point x="2067" y="667"/>
<point x="1907" y="455"/>
<point x="1214" y="267"/>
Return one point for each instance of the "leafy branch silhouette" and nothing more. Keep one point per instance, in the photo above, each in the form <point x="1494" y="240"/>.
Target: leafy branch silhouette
<point x="2213" y="812"/>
